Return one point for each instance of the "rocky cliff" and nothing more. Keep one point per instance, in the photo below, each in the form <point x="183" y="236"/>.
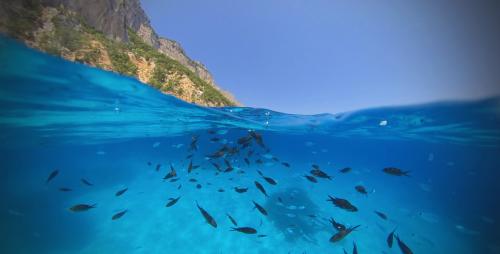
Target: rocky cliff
<point x="115" y="35"/>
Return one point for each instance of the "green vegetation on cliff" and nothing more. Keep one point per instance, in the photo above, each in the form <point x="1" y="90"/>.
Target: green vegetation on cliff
<point x="71" y="38"/>
<point x="164" y="65"/>
<point x="23" y="19"/>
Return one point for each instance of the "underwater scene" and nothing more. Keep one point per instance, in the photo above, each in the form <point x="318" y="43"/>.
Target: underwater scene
<point x="95" y="162"/>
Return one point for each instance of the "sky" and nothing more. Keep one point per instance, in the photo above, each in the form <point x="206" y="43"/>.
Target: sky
<point x="329" y="56"/>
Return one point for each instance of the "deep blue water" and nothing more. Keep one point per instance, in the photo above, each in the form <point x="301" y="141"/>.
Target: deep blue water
<point x="105" y="128"/>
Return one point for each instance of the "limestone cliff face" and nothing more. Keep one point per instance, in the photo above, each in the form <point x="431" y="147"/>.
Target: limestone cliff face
<point x="174" y="50"/>
<point x="111" y="17"/>
<point x="114" y="35"/>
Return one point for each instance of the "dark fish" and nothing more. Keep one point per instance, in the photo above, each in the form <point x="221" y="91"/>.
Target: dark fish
<point x="315" y="166"/>
<point x="118" y="215"/>
<point x="261" y="236"/>
<point x="179" y="187"/>
<point x="149" y="163"/>
<point x="275" y="159"/>
<point x="120" y="192"/>
<point x="311" y="178"/>
<point x="220" y="190"/>
<point x="403" y="247"/>
<point x="390" y="238"/>
<point x="233" y="150"/>
<point x="81" y="207"/>
<point x="261" y="188"/>
<point x="236" y="150"/>
<point x="361" y="189"/>
<point x="198" y="186"/>
<point x="191" y="166"/>
<point x="189" y="156"/>
<point x="246" y="230"/>
<point x="258" y="138"/>
<point x="250" y="153"/>
<point x="170" y="174"/>
<point x="208" y="218"/>
<point x="345" y="252"/>
<point x="158" y="166"/>
<point x="211" y="131"/>
<point x="381" y="215"/>
<point x="336" y="225"/>
<point x="240" y="190"/>
<point x="64" y="189"/>
<point x="260" y="208"/>
<point x="268" y="179"/>
<point x="192" y="180"/>
<point x="342" y="234"/>
<point x="244" y="140"/>
<point x="193" y="146"/>
<point x="259" y="161"/>
<point x="52" y="175"/>
<point x="280" y="200"/>
<point x="342" y="203"/>
<point x="232" y="220"/>
<point x="286" y="164"/>
<point x="395" y="171"/>
<point x="246" y="145"/>
<point x="228" y="164"/>
<point x="215" y="139"/>
<point x="172" y="201"/>
<point x="216" y="166"/>
<point x="217" y="154"/>
<point x="84" y="181"/>
<point x="345" y="170"/>
<point x="247" y="161"/>
<point x="354" y="248"/>
<point x="173" y="180"/>
<point x="320" y="174"/>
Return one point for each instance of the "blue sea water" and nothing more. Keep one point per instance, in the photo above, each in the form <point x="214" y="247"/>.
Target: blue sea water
<point x="114" y="131"/>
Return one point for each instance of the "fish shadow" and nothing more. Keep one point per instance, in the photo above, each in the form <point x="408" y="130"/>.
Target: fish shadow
<point x="294" y="214"/>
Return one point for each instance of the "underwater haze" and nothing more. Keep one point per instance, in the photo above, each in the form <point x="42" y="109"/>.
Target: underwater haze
<point x="95" y="162"/>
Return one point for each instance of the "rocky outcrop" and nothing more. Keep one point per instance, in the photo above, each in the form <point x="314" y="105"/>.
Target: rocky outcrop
<point x="115" y="19"/>
<point x="111" y="17"/>
<point x="174" y="50"/>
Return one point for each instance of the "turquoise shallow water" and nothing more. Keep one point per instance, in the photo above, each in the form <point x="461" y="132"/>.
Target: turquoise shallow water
<point x="113" y="131"/>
